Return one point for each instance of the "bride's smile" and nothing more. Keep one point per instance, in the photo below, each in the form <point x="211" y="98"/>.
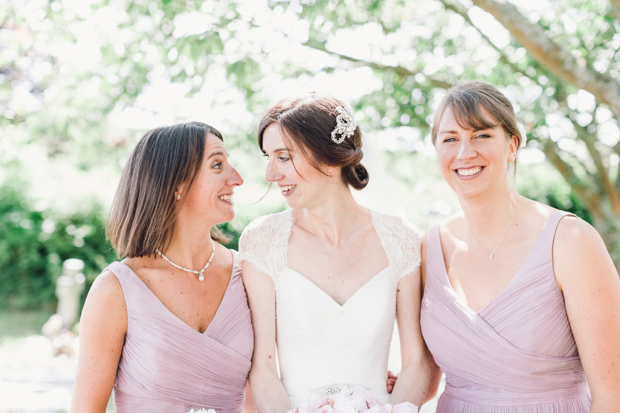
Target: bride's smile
<point x="300" y="182"/>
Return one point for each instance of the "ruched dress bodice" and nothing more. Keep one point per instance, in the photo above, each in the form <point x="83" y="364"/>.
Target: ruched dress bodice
<point x="168" y="367"/>
<point x="320" y="342"/>
<point x="515" y="355"/>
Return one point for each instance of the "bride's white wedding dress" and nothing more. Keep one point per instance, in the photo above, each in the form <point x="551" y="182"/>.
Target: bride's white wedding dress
<point x="322" y="344"/>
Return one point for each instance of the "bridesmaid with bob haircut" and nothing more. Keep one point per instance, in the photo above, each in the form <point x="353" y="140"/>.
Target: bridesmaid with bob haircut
<point x="521" y="301"/>
<point x="168" y="329"/>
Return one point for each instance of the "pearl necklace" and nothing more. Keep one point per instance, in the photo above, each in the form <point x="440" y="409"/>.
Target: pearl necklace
<point x="342" y="243"/>
<point x="200" y="273"/>
<point x="500" y="241"/>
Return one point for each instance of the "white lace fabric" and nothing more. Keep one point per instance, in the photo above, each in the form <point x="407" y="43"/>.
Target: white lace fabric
<point x="320" y="342"/>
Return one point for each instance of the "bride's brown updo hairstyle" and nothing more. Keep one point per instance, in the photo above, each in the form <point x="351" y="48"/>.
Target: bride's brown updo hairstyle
<point x="309" y="122"/>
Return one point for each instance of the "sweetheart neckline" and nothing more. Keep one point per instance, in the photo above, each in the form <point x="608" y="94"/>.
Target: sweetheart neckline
<point x="374" y="277"/>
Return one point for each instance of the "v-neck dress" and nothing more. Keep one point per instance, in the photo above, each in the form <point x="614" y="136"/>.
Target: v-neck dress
<point x="515" y="355"/>
<point x="167" y="366"/>
<point x="320" y="342"/>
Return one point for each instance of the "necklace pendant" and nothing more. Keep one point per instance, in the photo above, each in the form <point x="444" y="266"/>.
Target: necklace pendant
<point x="201" y="277"/>
<point x="491" y="257"/>
<point x="326" y="257"/>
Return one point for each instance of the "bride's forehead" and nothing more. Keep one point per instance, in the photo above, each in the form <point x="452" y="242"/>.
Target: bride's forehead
<point x="275" y="138"/>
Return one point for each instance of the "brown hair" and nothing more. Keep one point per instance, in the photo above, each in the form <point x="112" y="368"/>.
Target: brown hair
<point x="144" y="211"/>
<point x="309" y="122"/>
<point x="478" y="105"/>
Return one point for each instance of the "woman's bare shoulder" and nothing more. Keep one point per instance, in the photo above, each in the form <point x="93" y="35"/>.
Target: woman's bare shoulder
<point x="107" y="290"/>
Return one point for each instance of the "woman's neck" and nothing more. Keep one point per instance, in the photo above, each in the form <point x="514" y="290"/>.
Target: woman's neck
<point x="333" y="216"/>
<point x="190" y="246"/>
<point x="487" y="217"/>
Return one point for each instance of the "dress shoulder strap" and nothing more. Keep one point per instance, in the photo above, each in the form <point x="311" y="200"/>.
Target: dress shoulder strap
<point x="133" y="287"/>
<point x="264" y="243"/>
<point x="400" y="241"/>
<point x="547" y="234"/>
<point x="433" y="261"/>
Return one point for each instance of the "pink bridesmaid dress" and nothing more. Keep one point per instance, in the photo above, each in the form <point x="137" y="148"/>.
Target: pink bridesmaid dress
<point x="167" y="366"/>
<point x="515" y="355"/>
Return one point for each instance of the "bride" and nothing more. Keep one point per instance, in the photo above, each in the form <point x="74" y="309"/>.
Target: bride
<point x="327" y="278"/>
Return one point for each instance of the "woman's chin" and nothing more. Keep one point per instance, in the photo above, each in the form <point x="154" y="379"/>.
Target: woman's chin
<point x="469" y="191"/>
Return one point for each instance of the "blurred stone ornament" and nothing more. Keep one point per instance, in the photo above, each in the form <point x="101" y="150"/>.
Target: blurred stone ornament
<point x="53" y="326"/>
<point x="69" y="287"/>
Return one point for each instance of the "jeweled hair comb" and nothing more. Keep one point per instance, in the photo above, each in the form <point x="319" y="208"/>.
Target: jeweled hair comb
<point x="345" y="124"/>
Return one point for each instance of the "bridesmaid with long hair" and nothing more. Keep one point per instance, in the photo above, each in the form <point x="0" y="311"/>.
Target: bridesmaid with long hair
<point x="521" y="301"/>
<point x="168" y="329"/>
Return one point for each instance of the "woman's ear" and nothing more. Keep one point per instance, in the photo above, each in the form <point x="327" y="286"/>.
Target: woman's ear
<point x="513" y="146"/>
<point x="332" y="170"/>
<point x="179" y="192"/>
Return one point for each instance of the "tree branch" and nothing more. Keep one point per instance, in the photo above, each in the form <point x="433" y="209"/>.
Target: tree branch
<point x="462" y="11"/>
<point x="602" y="172"/>
<point x="550" y="55"/>
<point x="616" y="5"/>
<point x="316" y="45"/>
<point x="585" y="193"/>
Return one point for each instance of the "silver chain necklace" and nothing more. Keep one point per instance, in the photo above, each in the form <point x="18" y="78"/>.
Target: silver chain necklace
<point x="500" y="241"/>
<point x="200" y="273"/>
<point x="342" y="243"/>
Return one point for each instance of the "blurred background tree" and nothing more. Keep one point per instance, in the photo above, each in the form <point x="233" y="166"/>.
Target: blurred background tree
<point x="82" y="80"/>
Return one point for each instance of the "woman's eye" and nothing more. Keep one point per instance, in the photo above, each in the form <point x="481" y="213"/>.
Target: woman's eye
<point x="283" y="158"/>
<point x="217" y="165"/>
<point x="448" y="140"/>
<point x="483" y="135"/>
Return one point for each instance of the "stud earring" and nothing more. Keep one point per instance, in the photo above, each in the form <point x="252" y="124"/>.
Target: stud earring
<point x="178" y="196"/>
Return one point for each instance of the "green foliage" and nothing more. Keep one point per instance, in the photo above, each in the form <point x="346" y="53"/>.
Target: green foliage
<point x="416" y="50"/>
<point x="34" y="244"/>
<point x="543" y="184"/>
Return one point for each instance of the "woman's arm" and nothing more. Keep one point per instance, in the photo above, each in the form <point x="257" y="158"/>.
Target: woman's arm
<point x="103" y="325"/>
<point x="414" y="375"/>
<point x="435" y="371"/>
<point x="267" y="389"/>
<point x="589" y="281"/>
<point x="435" y="378"/>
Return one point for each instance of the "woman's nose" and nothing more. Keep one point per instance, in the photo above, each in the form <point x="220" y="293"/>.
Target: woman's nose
<point x="272" y="174"/>
<point x="466" y="150"/>
<point x="235" y="178"/>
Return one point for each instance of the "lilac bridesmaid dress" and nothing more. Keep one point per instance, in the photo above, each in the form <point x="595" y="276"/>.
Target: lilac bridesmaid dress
<point x="167" y="366"/>
<point x="515" y="355"/>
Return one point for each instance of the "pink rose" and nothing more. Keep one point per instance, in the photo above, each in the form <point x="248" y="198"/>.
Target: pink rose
<point x="388" y="408"/>
<point x="312" y="403"/>
<point x="326" y="409"/>
<point x="374" y="409"/>
<point x="405" y="407"/>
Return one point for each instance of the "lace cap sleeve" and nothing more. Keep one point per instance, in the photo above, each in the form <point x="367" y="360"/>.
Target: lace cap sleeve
<point x="264" y="242"/>
<point x="400" y="241"/>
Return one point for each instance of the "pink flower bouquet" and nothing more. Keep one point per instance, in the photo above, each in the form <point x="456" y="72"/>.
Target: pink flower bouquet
<point x="353" y="399"/>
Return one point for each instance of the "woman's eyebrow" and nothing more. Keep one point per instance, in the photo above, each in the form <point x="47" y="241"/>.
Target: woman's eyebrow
<point x="280" y="150"/>
<point x="217" y="153"/>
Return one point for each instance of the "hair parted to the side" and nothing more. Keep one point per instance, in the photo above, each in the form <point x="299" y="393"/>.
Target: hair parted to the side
<point x="144" y="211"/>
<point x="478" y="105"/>
<point x="308" y="122"/>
